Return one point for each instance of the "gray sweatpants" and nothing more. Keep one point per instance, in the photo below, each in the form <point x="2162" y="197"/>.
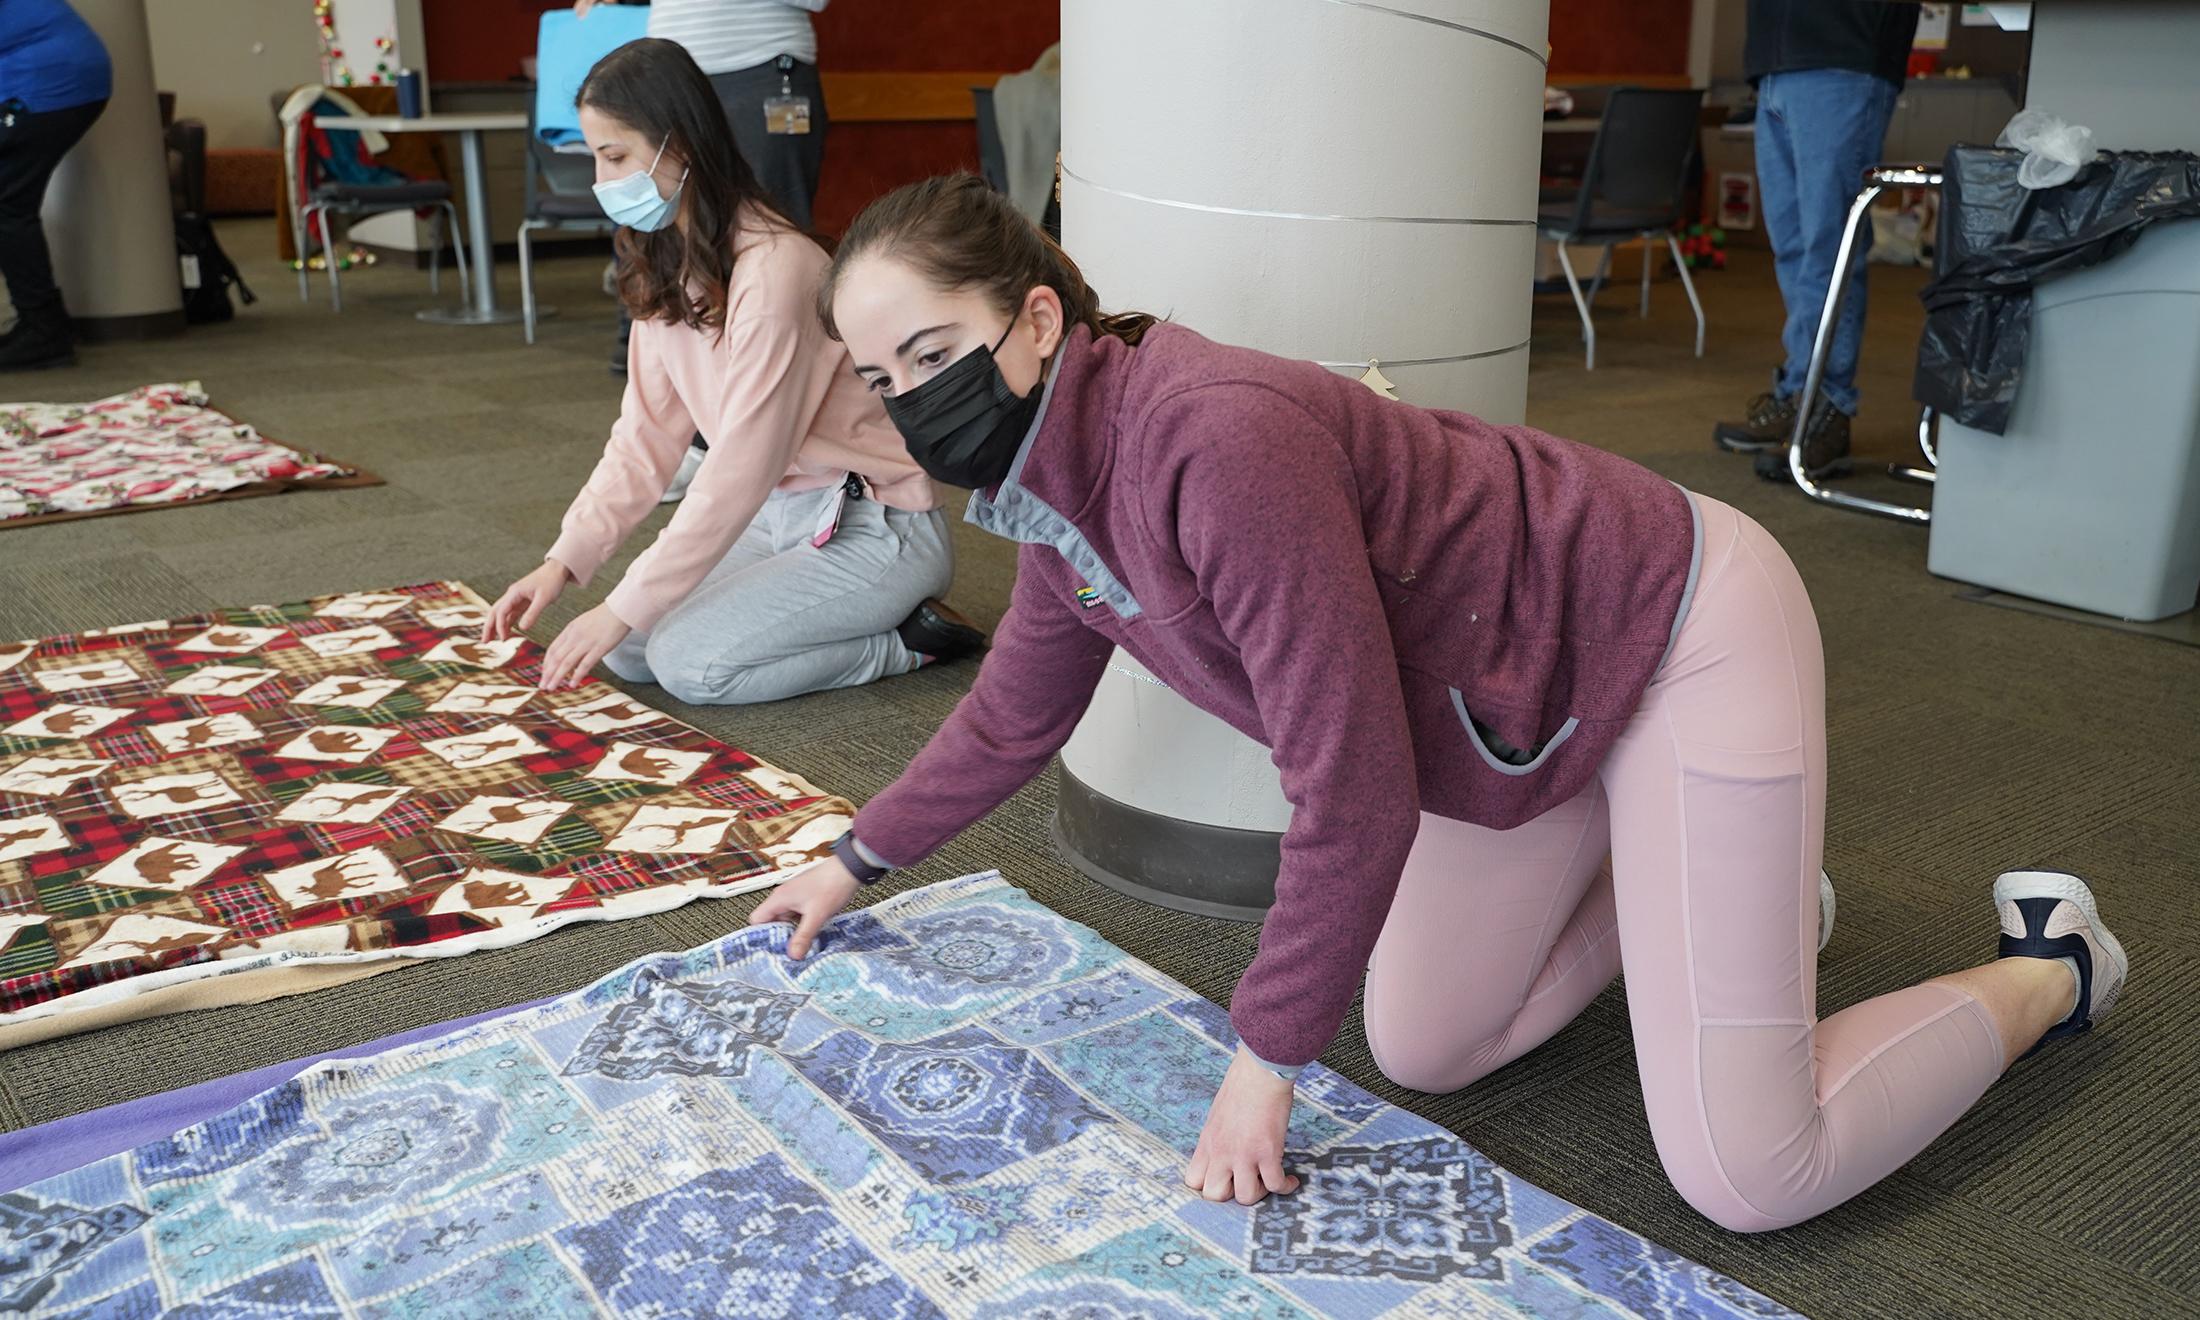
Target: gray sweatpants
<point x="779" y="617"/>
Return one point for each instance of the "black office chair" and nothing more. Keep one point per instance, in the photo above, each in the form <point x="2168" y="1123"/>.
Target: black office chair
<point x="560" y="195"/>
<point x="1637" y="184"/>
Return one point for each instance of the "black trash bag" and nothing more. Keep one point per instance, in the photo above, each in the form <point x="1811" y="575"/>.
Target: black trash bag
<point x="1998" y="239"/>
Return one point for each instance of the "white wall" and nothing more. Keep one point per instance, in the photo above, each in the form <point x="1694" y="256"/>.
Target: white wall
<point x="222" y="59"/>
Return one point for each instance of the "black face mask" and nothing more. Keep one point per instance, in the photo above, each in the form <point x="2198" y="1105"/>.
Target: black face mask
<point x="964" y="425"/>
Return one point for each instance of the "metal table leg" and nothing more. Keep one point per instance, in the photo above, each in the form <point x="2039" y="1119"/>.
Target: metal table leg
<point x="1876" y="181"/>
<point x="484" y="310"/>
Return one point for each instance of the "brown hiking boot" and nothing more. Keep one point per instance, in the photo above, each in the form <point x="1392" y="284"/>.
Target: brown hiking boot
<point x="1768" y="425"/>
<point x="1825" y="448"/>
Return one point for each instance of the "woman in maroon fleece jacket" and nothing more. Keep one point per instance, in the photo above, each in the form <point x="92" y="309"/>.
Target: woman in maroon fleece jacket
<point x="1484" y="658"/>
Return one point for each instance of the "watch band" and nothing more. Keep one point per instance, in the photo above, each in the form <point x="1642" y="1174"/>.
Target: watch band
<point x="858" y="865"/>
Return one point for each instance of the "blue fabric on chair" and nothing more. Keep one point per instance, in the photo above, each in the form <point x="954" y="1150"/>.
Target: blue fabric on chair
<point x="566" y="48"/>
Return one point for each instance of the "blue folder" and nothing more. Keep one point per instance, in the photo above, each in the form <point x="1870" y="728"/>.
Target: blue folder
<point x="566" y="48"/>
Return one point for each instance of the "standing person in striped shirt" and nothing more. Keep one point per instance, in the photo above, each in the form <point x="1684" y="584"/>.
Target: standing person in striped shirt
<point x="761" y="56"/>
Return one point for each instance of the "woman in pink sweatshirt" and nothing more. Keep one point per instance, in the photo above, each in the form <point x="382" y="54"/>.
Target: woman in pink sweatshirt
<point x="808" y="549"/>
<point x="1483" y="658"/>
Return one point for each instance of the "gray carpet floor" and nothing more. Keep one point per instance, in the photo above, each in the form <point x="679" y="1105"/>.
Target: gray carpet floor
<point x="1964" y="740"/>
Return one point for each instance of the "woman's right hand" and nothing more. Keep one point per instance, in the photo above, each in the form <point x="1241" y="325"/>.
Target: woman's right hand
<point x="581" y="7"/>
<point x="524" y="601"/>
<point x="809" y="900"/>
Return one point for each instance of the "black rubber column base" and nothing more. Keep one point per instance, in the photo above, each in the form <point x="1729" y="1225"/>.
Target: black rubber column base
<point x="1210" y="870"/>
<point x="125" y="329"/>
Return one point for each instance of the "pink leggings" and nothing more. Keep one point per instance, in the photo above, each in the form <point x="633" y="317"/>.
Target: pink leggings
<point x="1712" y="808"/>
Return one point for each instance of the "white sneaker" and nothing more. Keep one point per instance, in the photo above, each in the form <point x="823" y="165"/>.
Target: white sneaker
<point x="2051" y="914"/>
<point x="685" y="477"/>
<point x="1825" y="909"/>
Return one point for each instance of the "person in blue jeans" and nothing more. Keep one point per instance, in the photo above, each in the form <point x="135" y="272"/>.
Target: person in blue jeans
<point x="1826" y="73"/>
<point x="54" y="81"/>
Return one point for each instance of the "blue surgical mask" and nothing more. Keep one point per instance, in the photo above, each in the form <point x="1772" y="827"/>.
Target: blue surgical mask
<point x="634" y="200"/>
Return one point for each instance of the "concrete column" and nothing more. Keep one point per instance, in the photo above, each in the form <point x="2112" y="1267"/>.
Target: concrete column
<point x="1338" y="180"/>
<point x="107" y="213"/>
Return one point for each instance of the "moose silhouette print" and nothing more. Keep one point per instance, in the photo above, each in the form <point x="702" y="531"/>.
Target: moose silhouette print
<point x="230" y="639"/>
<point x="610" y="713"/>
<point x="63" y="720"/>
<point x="356" y="874"/>
<point x="219" y="681"/>
<point x="512" y="819"/>
<point x="456" y="618"/>
<point x="655" y="828"/>
<point x="348" y="641"/>
<point x="27" y="836"/>
<point x="336" y="742"/>
<point x="357" y="691"/>
<point x="170" y="864"/>
<point x="472" y="651"/>
<point x="145" y="935"/>
<point x="648" y="765"/>
<point x="165" y="795"/>
<point x="183" y="737"/>
<point x="363" y="605"/>
<point x="501" y="897"/>
<point x="482" y="699"/>
<point x="49" y="776"/>
<point x="77" y="678"/>
<point x="342" y="804"/>
<point x="484" y="747"/>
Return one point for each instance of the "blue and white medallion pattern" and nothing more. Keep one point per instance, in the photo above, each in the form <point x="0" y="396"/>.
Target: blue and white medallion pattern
<point x="684" y="1027"/>
<point x="961" y="1105"/>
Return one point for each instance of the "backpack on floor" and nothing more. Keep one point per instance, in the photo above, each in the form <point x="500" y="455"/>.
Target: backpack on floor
<point x="207" y="272"/>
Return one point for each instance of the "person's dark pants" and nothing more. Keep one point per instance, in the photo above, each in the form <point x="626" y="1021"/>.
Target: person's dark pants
<point x="787" y="164"/>
<point x="31" y="147"/>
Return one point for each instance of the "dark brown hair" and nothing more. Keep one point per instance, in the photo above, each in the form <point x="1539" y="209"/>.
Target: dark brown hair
<point x="654" y="87"/>
<point x="961" y="234"/>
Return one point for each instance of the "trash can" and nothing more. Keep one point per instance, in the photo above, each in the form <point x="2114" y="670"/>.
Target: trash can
<point x="2091" y="496"/>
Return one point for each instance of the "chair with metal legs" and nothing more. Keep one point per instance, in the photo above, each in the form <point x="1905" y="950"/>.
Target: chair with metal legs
<point x="559" y="197"/>
<point x="316" y="196"/>
<point x="1636" y="185"/>
<point x="1876" y="181"/>
<point x="353" y="201"/>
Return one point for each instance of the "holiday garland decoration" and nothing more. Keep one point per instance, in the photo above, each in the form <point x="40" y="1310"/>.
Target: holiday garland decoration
<point x="332" y="55"/>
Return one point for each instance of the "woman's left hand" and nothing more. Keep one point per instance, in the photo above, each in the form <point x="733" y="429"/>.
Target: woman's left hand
<point x="1240" y="1151"/>
<point x="584" y="642"/>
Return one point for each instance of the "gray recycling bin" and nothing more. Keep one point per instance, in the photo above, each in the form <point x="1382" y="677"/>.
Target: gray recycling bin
<point x="2092" y="497"/>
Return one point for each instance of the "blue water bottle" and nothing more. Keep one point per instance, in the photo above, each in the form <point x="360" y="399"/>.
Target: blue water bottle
<point x="408" y="93"/>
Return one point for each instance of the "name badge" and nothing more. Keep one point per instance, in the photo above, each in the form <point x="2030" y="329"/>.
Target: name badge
<point x="785" y="114"/>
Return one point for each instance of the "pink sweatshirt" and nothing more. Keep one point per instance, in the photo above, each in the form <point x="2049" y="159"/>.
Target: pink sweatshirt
<point x="775" y="398"/>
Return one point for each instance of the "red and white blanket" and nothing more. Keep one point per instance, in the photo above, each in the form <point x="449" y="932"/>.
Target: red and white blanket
<point x="156" y="445"/>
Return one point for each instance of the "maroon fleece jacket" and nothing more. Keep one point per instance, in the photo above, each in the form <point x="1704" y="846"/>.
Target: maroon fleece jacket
<point x="1415" y="610"/>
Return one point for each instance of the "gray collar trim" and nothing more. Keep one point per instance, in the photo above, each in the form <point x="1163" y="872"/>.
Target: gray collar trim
<point x="1018" y="515"/>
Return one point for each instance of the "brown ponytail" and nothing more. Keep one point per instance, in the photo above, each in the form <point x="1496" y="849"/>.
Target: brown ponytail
<point x="961" y="234"/>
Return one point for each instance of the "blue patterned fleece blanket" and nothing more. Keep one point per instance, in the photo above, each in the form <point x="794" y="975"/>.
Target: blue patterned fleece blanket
<point x="961" y="1105"/>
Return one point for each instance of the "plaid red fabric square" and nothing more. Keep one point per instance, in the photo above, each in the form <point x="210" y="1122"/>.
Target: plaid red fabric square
<point x="215" y="803"/>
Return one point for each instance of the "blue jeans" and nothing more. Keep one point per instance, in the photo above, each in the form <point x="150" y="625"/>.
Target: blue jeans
<point x="1818" y="130"/>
